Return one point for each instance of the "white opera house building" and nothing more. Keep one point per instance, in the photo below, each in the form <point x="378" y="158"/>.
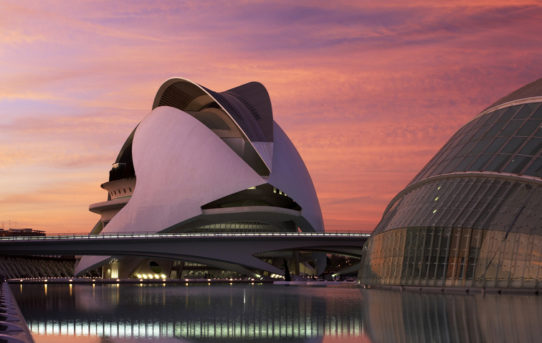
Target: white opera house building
<point x="204" y="161"/>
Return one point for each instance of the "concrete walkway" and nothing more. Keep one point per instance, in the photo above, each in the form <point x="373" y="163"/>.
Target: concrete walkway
<point x="13" y="328"/>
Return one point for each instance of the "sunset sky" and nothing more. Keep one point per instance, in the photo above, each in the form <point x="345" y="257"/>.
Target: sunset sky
<point x="368" y="91"/>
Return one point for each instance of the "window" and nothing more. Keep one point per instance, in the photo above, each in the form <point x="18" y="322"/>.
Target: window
<point x="532" y="147"/>
<point x="498" y="162"/>
<point x="525" y="111"/>
<point x="513" y="144"/>
<point x="516" y="164"/>
<point x="529" y="127"/>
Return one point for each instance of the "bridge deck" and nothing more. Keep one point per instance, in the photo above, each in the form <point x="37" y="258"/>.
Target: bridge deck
<point x="226" y="235"/>
<point x="224" y="250"/>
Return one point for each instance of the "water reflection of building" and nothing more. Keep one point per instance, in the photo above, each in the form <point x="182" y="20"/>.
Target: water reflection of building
<point x="278" y="314"/>
<point x="471" y="217"/>
<point x="257" y="313"/>
<point x="199" y="329"/>
<point x="420" y="317"/>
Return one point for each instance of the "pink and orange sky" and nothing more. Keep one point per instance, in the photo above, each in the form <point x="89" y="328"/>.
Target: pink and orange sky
<point x="368" y="91"/>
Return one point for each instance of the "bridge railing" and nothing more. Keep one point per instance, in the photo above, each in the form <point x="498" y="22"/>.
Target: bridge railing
<point x="140" y="235"/>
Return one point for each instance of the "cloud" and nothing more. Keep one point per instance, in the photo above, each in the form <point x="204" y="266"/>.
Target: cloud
<point x="368" y="92"/>
<point x="62" y="207"/>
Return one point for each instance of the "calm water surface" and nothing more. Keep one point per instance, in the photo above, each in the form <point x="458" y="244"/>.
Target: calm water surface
<point x="266" y="313"/>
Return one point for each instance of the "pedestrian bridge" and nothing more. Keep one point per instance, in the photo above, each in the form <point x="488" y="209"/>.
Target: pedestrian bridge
<point x="234" y="251"/>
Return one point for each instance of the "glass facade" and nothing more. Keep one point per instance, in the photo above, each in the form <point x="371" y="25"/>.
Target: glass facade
<point x="454" y="257"/>
<point x="484" y="202"/>
<point x="507" y="140"/>
<point x="472" y="217"/>
<point x="402" y="317"/>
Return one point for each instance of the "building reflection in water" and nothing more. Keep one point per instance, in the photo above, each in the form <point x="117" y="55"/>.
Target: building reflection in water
<point x="277" y="313"/>
<point x="230" y="313"/>
<point x="391" y="316"/>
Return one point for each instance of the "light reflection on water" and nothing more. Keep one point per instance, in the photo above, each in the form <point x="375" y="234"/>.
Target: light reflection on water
<point x="265" y="313"/>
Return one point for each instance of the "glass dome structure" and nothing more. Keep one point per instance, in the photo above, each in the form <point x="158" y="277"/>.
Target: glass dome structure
<point x="472" y="217"/>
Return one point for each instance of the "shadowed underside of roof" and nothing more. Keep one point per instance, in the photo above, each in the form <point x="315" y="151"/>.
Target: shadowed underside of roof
<point x="248" y="105"/>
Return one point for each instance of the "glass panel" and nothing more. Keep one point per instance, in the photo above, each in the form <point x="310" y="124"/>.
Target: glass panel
<point x="496" y="145"/>
<point x="430" y="171"/>
<point x="535" y="169"/>
<point x="494" y="115"/>
<point x="474" y="251"/>
<point x="479" y="200"/>
<point x="492" y="205"/>
<point x="498" y="162"/>
<point x="484" y="260"/>
<point x="433" y="253"/>
<point x="529" y="127"/>
<point x="536" y="261"/>
<point x="460" y="142"/>
<point x="445" y="167"/>
<point x="465" y="163"/>
<point x="449" y="202"/>
<point x="481" y="162"/>
<point x="511" y="128"/>
<point x="525" y="111"/>
<point x="516" y="164"/>
<point x="532" y="147"/>
<point x="494" y="123"/>
<point x="512" y="145"/>
<point x="425" y="251"/>
<point x="526" y="220"/>
<point x="475" y="134"/>
<point x="467" y="148"/>
<point x="480" y="146"/>
<point x="454" y="255"/>
<point x="505" y="266"/>
<point x="443" y="253"/>
<point x="464" y="202"/>
<point x="538" y="113"/>
<point x="444" y="153"/>
<point x="523" y="257"/>
<point x="502" y="190"/>
<point x="464" y="252"/>
<point x="508" y="209"/>
<point x="509" y="113"/>
<point x="495" y="129"/>
<point x="424" y="170"/>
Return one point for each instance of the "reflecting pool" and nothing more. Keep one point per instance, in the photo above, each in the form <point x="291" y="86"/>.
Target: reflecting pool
<point x="267" y="313"/>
